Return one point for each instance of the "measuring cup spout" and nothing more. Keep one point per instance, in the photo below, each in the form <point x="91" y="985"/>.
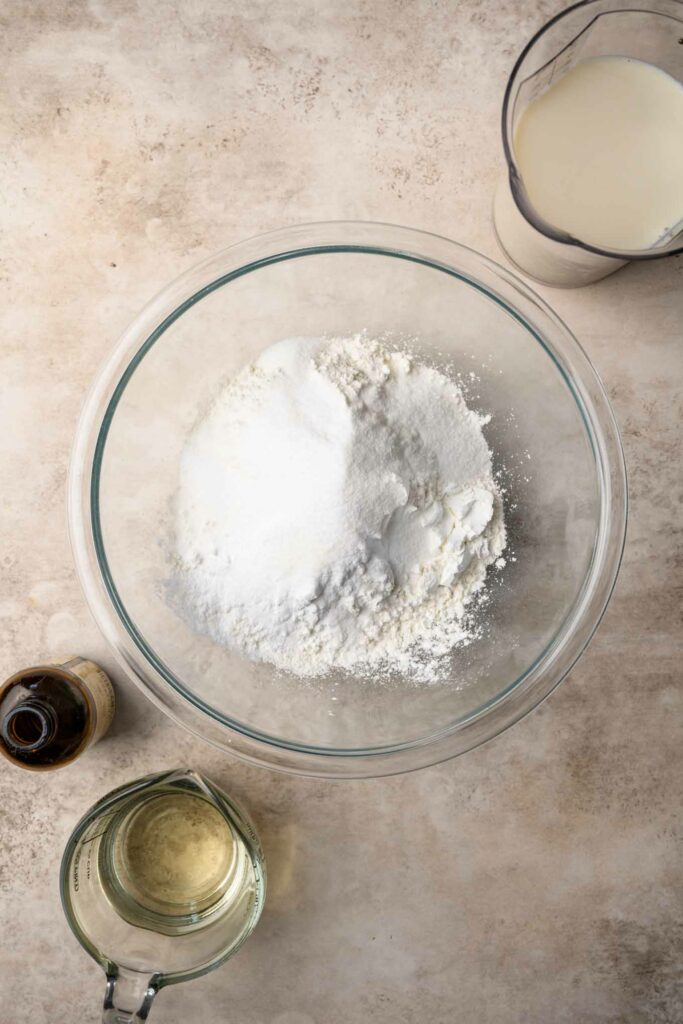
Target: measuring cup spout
<point x="128" y="997"/>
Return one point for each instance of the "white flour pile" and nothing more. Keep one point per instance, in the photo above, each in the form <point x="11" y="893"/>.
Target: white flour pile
<point x="337" y="509"/>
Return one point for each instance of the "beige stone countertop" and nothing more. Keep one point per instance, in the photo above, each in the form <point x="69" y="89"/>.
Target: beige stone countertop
<point x="536" y="880"/>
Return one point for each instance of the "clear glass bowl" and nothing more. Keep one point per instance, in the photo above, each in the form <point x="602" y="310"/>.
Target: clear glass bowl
<point x="552" y="432"/>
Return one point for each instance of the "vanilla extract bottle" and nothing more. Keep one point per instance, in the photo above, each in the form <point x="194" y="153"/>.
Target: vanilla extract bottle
<point x="50" y="714"/>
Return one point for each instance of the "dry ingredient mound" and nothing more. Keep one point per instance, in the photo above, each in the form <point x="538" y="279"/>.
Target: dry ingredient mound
<point x="336" y="510"/>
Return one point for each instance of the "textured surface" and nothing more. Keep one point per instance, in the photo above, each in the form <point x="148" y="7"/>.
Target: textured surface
<point x="534" y="881"/>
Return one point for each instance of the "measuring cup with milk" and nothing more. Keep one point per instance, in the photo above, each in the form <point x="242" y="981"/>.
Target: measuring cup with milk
<point x="593" y="137"/>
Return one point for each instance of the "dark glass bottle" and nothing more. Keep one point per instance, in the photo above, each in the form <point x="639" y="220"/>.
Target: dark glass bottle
<point x="50" y="714"/>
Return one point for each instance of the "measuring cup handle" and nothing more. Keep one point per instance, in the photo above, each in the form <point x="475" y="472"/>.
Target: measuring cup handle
<point x="128" y="997"/>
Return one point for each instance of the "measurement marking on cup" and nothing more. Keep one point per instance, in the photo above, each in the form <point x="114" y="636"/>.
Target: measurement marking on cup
<point x="91" y="839"/>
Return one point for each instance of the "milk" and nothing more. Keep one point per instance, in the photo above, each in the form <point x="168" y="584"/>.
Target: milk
<point x="600" y="155"/>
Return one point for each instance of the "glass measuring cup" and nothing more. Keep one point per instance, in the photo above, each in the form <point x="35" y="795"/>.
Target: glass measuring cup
<point x="650" y="31"/>
<point x="161" y="881"/>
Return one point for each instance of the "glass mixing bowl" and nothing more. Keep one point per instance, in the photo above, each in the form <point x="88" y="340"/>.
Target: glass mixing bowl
<point x="555" y="443"/>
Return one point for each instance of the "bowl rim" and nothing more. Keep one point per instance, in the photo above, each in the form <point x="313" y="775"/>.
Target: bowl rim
<point x="149" y="672"/>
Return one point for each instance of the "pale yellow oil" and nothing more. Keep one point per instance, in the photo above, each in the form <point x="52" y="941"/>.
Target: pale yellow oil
<point x="176" y="854"/>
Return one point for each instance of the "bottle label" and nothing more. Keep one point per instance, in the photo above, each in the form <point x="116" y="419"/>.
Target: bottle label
<point x="97" y="683"/>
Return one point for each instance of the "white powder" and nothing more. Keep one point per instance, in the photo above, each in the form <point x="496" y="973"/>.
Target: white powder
<point x="337" y="509"/>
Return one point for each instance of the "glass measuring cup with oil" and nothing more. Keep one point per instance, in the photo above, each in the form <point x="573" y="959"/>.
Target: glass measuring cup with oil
<point x="161" y="881"/>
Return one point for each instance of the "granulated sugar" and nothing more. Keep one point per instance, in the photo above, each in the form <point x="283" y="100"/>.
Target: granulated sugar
<point x="337" y="510"/>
